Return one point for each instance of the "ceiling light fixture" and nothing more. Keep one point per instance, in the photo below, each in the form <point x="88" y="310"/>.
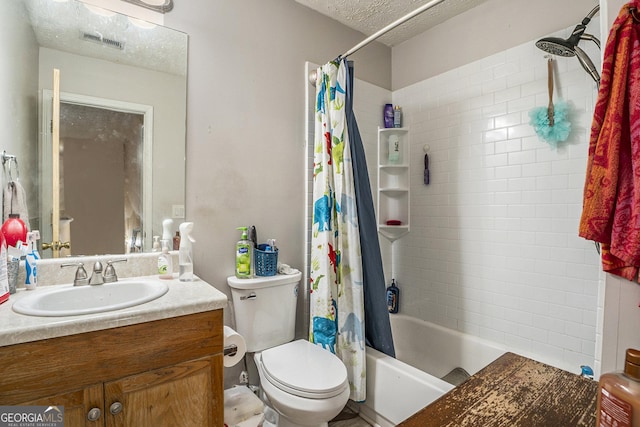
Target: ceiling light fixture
<point x="162" y="6"/>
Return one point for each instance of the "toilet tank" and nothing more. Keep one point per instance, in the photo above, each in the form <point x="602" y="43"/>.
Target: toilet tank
<point x="265" y="309"/>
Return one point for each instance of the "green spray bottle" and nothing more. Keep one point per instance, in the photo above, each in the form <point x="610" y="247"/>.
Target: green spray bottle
<point x="243" y="256"/>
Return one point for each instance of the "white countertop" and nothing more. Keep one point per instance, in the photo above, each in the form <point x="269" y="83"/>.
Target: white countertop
<point x="183" y="298"/>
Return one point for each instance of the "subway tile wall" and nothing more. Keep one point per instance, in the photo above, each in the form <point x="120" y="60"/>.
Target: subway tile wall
<point x="493" y="249"/>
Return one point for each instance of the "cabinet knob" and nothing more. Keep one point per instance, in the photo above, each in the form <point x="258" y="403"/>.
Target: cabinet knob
<point x="94" y="414"/>
<point x="115" y="408"/>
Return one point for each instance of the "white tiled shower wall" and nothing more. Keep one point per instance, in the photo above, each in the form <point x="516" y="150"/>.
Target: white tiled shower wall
<point x="493" y="248"/>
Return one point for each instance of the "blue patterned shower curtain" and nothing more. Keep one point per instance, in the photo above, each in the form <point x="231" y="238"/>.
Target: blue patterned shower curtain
<point x="336" y="276"/>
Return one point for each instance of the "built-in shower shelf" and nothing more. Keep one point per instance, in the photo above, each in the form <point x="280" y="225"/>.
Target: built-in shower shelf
<point x="393" y="182"/>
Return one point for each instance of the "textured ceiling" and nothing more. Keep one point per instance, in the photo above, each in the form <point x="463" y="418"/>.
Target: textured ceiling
<point x="369" y="16"/>
<point x="59" y="25"/>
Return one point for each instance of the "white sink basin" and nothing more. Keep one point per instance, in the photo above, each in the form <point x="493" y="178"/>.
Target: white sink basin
<point x="68" y="300"/>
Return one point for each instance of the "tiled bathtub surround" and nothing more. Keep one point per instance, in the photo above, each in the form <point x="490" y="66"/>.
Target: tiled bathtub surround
<point x="493" y="249"/>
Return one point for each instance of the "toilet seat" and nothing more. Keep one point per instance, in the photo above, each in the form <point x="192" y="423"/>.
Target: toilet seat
<point x="304" y="369"/>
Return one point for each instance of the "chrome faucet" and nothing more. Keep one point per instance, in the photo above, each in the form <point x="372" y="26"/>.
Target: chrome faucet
<point x="97" y="277"/>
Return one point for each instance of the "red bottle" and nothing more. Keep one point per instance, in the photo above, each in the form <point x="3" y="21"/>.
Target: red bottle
<point x="14" y="230"/>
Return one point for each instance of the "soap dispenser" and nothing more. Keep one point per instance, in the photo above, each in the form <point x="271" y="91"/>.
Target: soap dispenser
<point x="243" y="255"/>
<point x="167" y="234"/>
<point x="185" y="254"/>
<point x="165" y="264"/>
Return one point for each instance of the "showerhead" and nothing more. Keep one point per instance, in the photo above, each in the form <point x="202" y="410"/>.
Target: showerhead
<point x="556" y="46"/>
<point x="569" y="47"/>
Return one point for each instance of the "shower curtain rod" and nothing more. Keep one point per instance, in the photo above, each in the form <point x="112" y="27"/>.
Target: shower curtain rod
<point x="391" y="26"/>
<point x="394" y="24"/>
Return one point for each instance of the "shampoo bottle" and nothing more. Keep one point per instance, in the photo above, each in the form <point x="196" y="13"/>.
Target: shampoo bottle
<point x="393" y="297"/>
<point x="185" y="254"/>
<point x="397" y="117"/>
<point x="165" y="264"/>
<point x="619" y="394"/>
<point x="30" y="260"/>
<point x="243" y="255"/>
<point x="387" y="115"/>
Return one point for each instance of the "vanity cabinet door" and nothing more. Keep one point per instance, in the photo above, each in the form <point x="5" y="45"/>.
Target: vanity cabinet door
<point x="77" y="406"/>
<point x="178" y="395"/>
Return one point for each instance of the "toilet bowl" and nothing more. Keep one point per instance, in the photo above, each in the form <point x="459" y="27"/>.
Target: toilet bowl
<point x="304" y="383"/>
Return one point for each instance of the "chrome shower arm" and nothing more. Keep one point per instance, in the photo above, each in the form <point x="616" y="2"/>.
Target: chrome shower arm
<point x="592" y="13"/>
<point x="587" y="64"/>
<point x="592" y="38"/>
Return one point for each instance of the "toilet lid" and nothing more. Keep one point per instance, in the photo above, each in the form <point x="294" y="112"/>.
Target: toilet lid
<point x="305" y="370"/>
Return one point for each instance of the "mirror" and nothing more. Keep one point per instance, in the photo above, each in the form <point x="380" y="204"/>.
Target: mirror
<point x="114" y="70"/>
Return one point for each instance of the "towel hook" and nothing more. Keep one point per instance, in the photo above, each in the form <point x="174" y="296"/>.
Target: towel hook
<point x="12" y="160"/>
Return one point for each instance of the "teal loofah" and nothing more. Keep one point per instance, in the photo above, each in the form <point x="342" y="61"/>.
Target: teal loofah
<point x="561" y="128"/>
<point x="557" y="129"/>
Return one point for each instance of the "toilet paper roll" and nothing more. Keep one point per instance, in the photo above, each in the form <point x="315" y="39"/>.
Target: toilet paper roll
<point x="231" y="337"/>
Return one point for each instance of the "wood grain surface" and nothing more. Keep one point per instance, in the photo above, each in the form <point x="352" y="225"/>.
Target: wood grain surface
<point x="38" y="369"/>
<point x="514" y="391"/>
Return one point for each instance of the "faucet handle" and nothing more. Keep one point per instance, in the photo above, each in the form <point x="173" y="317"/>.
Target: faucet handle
<point x="110" y="271"/>
<point x="81" y="277"/>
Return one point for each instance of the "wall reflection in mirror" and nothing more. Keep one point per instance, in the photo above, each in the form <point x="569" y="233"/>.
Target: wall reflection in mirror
<point x="122" y="121"/>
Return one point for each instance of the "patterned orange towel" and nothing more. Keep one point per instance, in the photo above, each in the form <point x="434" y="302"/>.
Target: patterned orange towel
<point x="611" y="206"/>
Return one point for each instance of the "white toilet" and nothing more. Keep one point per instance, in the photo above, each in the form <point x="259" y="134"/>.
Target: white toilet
<point x="306" y="384"/>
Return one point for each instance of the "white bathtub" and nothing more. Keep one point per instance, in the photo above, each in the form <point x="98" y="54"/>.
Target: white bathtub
<point x="398" y="388"/>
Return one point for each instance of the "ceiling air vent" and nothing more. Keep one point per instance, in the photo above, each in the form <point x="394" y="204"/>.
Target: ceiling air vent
<point x="96" y="37"/>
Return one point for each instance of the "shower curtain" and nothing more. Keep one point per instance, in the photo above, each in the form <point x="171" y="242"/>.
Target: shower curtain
<point x="348" y="299"/>
<point x="336" y="288"/>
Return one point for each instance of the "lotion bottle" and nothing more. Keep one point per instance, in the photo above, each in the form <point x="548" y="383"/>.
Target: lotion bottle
<point x="185" y="253"/>
<point x="619" y="394"/>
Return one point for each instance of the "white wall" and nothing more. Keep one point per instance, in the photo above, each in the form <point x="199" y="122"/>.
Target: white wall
<point x="246" y="95"/>
<point x="493" y="248"/>
<point x="246" y="121"/>
<point x="482" y="31"/>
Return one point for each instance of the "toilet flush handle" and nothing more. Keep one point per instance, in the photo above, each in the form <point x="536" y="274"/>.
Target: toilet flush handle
<point x="252" y="295"/>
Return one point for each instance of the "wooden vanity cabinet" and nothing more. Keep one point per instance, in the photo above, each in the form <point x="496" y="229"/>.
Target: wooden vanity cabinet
<point x="162" y="373"/>
<point x="77" y="405"/>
